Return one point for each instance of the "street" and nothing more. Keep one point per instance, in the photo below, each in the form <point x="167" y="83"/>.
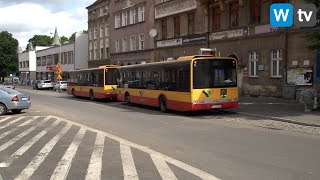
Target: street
<point x="62" y="137"/>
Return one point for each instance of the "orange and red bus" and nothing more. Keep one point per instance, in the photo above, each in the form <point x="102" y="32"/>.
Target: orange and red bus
<point x="95" y="83"/>
<point x="189" y="83"/>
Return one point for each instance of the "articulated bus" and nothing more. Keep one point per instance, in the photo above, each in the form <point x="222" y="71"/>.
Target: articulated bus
<point x="189" y="83"/>
<point x="95" y="83"/>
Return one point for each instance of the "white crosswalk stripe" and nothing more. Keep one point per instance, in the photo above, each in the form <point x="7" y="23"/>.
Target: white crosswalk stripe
<point x="95" y="165"/>
<point x="21" y="135"/>
<point x="35" y="163"/>
<point x="26" y="146"/>
<point x="63" y="166"/>
<point x="4" y="119"/>
<point x="95" y="160"/>
<point x="11" y="122"/>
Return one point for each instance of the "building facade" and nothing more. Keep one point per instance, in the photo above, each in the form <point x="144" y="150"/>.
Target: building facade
<point x="71" y="56"/>
<point x="99" y="30"/>
<point x="131" y="22"/>
<point x="272" y="61"/>
<point x="28" y="64"/>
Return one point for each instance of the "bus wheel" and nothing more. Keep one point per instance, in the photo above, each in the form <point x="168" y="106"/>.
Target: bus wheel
<point x="91" y="95"/>
<point x="73" y="93"/>
<point x="163" y="104"/>
<point x="127" y="98"/>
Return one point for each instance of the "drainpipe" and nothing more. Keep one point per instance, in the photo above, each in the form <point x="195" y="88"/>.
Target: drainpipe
<point x="286" y="55"/>
<point x="208" y="24"/>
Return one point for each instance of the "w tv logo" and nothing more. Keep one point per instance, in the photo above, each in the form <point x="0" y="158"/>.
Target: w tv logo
<point x="285" y="15"/>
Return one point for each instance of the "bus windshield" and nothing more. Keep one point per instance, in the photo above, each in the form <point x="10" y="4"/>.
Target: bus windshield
<point x="214" y="73"/>
<point x="111" y="76"/>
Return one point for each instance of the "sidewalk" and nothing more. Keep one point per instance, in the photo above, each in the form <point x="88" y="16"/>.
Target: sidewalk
<point x="278" y="109"/>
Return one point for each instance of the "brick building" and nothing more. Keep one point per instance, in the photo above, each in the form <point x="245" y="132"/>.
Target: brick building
<point x="131" y="21"/>
<point x="272" y="61"/>
<point x="98" y="29"/>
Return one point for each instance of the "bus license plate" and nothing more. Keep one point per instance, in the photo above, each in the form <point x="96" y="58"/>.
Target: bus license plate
<point x="216" y="106"/>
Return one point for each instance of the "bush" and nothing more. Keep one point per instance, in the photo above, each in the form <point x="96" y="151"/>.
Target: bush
<point x="308" y="97"/>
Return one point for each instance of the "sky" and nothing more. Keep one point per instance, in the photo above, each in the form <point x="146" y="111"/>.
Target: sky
<point x="26" y="18"/>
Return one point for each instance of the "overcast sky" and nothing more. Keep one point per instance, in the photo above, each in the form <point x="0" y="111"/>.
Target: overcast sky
<point x="25" y="18"/>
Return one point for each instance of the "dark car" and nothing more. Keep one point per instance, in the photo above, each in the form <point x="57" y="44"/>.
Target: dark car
<point x="35" y="84"/>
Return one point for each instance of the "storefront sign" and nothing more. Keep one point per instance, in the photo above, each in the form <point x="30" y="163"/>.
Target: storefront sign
<point x="300" y="76"/>
<point x="195" y="39"/>
<point x="174" y="7"/>
<point x="170" y="42"/>
<point x="318" y="66"/>
<point x="229" y="34"/>
<point x="265" y="29"/>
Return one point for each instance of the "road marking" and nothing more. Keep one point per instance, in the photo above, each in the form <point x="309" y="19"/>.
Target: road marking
<point x="95" y="165"/>
<point x="129" y="169"/>
<point x="11" y="122"/>
<point x="26" y="146"/>
<point x="21" y="135"/>
<point x="201" y="174"/>
<point x="64" y="165"/>
<point x="35" y="162"/>
<point x="29" y="121"/>
<point x="6" y="118"/>
<point x="8" y="132"/>
<point x="163" y="168"/>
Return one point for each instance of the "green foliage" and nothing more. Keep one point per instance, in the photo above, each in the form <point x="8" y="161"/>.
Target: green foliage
<point x="314" y="37"/>
<point x="72" y="38"/>
<point x="307" y="98"/>
<point x="41" y="40"/>
<point x="63" y="39"/>
<point x="8" y="54"/>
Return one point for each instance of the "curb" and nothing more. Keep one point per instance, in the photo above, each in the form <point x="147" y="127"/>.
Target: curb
<point x="279" y="119"/>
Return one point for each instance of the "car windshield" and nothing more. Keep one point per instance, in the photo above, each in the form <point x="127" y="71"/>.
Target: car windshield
<point x="46" y="81"/>
<point x="63" y="82"/>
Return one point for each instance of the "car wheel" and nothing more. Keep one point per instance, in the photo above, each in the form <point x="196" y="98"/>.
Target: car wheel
<point x="16" y="111"/>
<point x="3" y="109"/>
<point x="163" y="104"/>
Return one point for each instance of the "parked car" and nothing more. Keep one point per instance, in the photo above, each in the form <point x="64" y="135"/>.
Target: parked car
<point x="35" y="84"/>
<point x="62" y="85"/>
<point x="8" y="85"/>
<point x="45" y="84"/>
<point x="12" y="100"/>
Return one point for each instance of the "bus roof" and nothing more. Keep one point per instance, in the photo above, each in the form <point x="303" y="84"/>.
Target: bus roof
<point x="97" y="68"/>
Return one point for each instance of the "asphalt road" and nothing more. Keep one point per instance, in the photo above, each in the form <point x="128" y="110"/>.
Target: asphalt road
<point x="141" y="142"/>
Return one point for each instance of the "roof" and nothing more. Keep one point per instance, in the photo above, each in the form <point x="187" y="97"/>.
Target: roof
<point x="96" y="2"/>
<point x="56" y="39"/>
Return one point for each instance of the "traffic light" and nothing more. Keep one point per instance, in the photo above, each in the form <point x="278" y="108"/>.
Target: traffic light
<point x="58" y="72"/>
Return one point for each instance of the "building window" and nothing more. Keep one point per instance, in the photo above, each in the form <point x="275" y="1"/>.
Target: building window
<point x="191" y="23"/>
<point x="141" y="41"/>
<point x="133" y="43"/>
<point x="95" y="53"/>
<point x="104" y="11"/>
<point x="124" y="18"/>
<point x="176" y="21"/>
<point x="255" y="11"/>
<point x="117" y="21"/>
<point x="132" y="16"/>
<point x="124" y="44"/>
<point x="21" y="64"/>
<point x="253" y="63"/>
<point x="106" y="32"/>
<point x="141" y="14"/>
<point x="69" y="57"/>
<point x="215" y="18"/>
<point x="101" y="31"/>
<point x="95" y="33"/>
<point x="234" y="14"/>
<point x="107" y="42"/>
<point x="164" y="28"/>
<point x="101" y="53"/>
<point x="91" y="54"/>
<point x="117" y="43"/>
<point x="91" y="35"/>
<point x="276" y="58"/>
<point x="93" y="14"/>
<point x="107" y="53"/>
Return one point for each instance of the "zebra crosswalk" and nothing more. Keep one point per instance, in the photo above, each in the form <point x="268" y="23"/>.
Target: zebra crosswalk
<point x="50" y="147"/>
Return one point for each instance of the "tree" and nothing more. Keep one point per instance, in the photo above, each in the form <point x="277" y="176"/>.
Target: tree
<point x="63" y="39"/>
<point x="72" y="38"/>
<point x="8" y="54"/>
<point x="40" y="40"/>
<point x="314" y="37"/>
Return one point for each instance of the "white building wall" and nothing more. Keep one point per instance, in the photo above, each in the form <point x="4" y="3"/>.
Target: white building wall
<point x="81" y="50"/>
<point x="32" y="61"/>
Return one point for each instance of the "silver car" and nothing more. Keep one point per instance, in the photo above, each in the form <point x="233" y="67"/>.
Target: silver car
<point x="12" y="100"/>
<point x="60" y="85"/>
<point x="8" y="85"/>
<point x="45" y="84"/>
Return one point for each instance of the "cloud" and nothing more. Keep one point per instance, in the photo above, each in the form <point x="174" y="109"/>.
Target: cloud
<point x="24" y="20"/>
